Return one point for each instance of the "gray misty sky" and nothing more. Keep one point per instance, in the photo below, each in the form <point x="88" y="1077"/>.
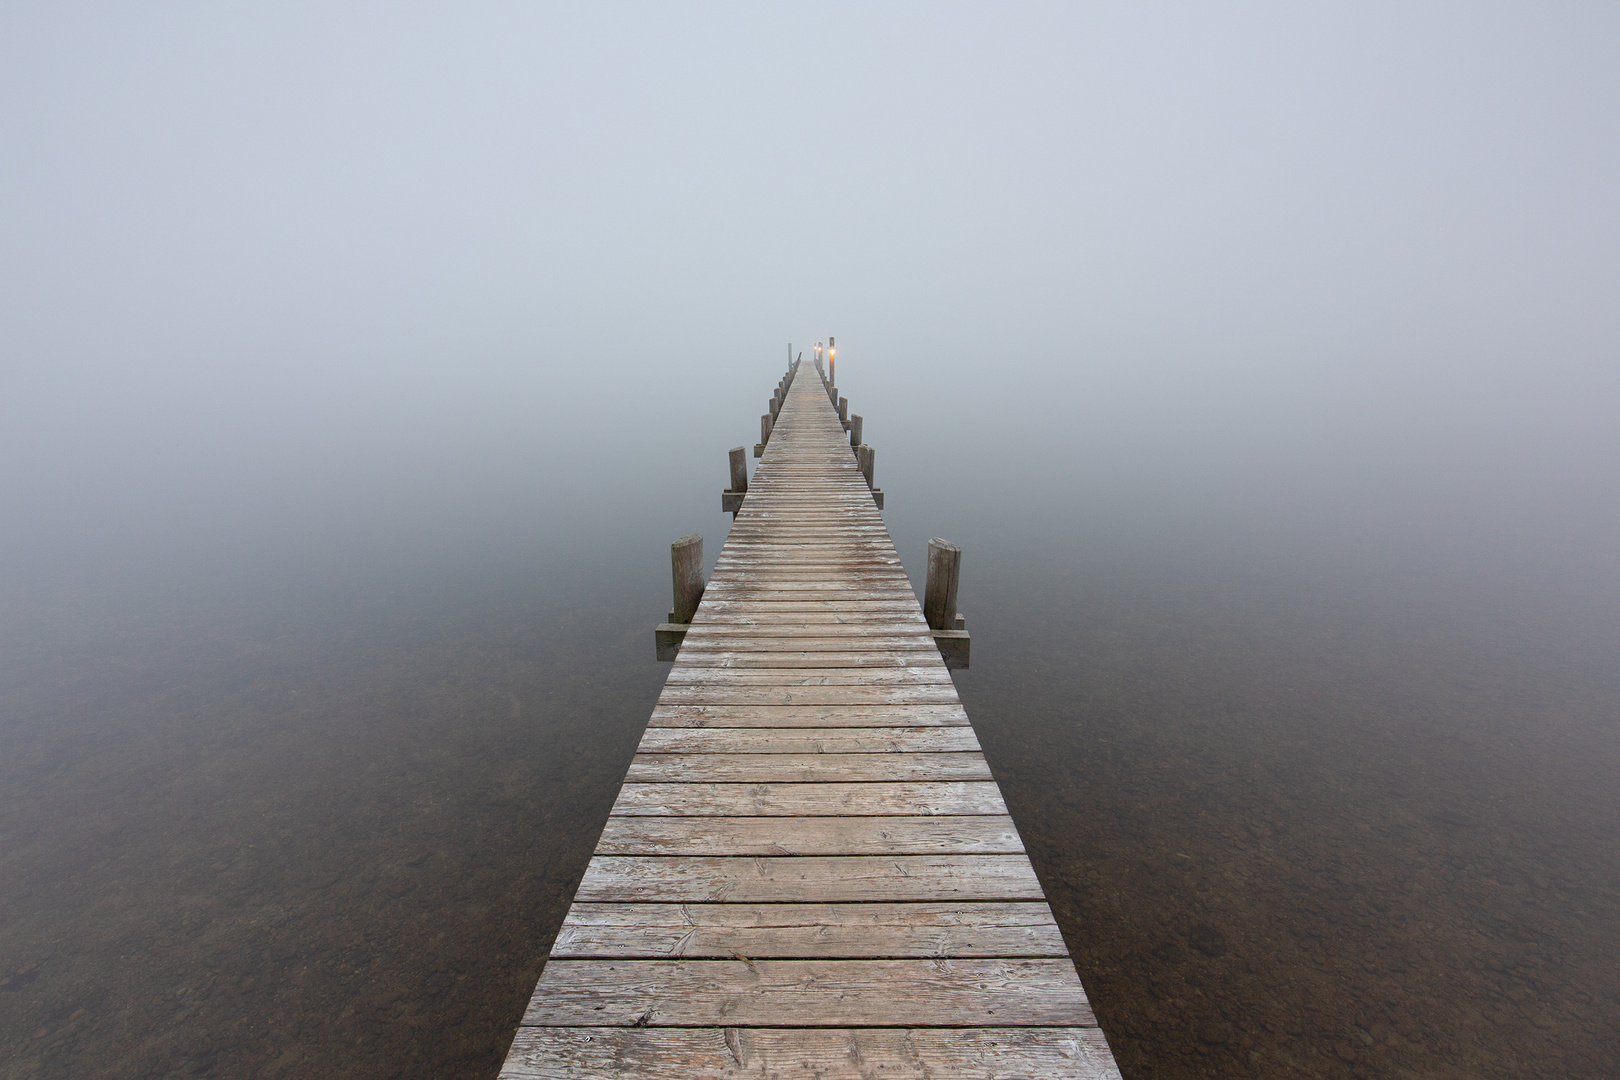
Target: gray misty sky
<point x="299" y="274"/>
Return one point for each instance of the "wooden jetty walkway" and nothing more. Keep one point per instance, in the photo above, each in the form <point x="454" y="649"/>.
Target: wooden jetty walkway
<point x="809" y="872"/>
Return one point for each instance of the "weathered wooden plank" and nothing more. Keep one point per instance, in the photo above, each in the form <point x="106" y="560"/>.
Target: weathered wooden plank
<point x="808" y="878"/>
<point x="808" y="931"/>
<point x="768" y="715"/>
<point x="989" y="834"/>
<point x="810" y="627"/>
<point x="804" y="768"/>
<point x="896" y="611"/>
<point x="833" y="993"/>
<point x="846" y="561"/>
<point x="712" y="645"/>
<point x="810" y="800"/>
<point x="839" y="617"/>
<point x="722" y="694"/>
<point x="920" y="674"/>
<point x="769" y="594"/>
<point x="847" y="740"/>
<point x="746" y="553"/>
<point x="795" y="583"/>
<point x="734" y="660"/>
<point x="740" y="1053"/>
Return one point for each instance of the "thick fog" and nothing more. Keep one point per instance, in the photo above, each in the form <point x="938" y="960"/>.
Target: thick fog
<point x="315" y="289"/>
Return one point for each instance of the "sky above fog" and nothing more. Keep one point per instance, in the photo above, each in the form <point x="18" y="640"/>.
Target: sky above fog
<point x="306" y="275"/>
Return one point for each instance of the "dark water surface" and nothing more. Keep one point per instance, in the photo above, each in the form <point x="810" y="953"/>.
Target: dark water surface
<point x="331" y="829"/>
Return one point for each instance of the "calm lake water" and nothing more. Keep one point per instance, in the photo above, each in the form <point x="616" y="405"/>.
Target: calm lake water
<point x="326" y="822"/>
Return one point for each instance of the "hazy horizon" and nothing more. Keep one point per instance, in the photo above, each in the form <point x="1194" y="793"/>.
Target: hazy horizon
<point x="297" y="285"/>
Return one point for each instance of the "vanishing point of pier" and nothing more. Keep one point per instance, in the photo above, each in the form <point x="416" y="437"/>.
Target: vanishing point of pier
<point x="809" y="871"/>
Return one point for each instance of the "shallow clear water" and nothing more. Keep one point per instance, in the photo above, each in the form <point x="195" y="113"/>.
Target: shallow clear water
<point x="328" y="824"/>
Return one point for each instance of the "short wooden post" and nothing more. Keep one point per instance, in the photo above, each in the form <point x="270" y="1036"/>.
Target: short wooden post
<point x="731" y="499"/>
<point x="944" y="571"/>
<point x="832" y="394"/>
<point x="855" y="430"/>
<point x="864" y="456"/>
<point x="686" y="572"/>
<point x="843" y="411"/>
<point x="945" y="623"/>
<point x="764" y="434"/>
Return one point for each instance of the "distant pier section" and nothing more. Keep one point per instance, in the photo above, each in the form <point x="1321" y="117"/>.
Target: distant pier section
<point x="809" y="873"/>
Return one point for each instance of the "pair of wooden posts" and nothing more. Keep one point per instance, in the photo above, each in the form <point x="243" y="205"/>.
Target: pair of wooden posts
<point x="948" y="626"/>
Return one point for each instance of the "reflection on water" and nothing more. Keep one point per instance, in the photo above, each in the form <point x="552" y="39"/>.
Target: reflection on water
<point x="1284" y="838"/>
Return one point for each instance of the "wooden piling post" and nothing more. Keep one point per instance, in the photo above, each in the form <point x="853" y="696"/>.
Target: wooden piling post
<point x="843" y="412"/>
<point x="686" y="573"/>
<point x="944" y="572"/>
<point x="939" y="603"/>
<point x="855" y="430"/>
<point x="764" y="434"/>
<point x="864" y="456"/>
<point x="731" y="499"/>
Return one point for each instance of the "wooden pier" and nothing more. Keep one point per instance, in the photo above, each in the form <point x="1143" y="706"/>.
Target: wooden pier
<point x="809" y="872"/>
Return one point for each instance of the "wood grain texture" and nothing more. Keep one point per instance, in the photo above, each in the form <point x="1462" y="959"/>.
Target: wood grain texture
<point x="739" y="1053"/>
<point x="828" y="740"/>
<point x="821" y="878"/>
<point x="1020" y="992"/>
<point x="807" y="931"/>
<point x="805" y="768"/>
<point x="919" y="714"/>
<point x="700" y="659"/>
<point x="721" y="693"/>
<point x="810" y="800"/>
<point x="696" y="676"/>
<point x="988" y="834"/>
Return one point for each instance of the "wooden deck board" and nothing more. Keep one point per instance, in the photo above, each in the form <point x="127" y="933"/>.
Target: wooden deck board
<point x="829" y="740"/>
<point x="799" y="931"/>
<point x="827" y="799"/>
<point x="809" y="872"/>
<point x="805" y="768"/>
<point x="983" y="834"/>
<point x="774" y="714"/>
<point x="813" y="878"/>
<point x="740" y="1053"/>
<point x="1012" y="992"/>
